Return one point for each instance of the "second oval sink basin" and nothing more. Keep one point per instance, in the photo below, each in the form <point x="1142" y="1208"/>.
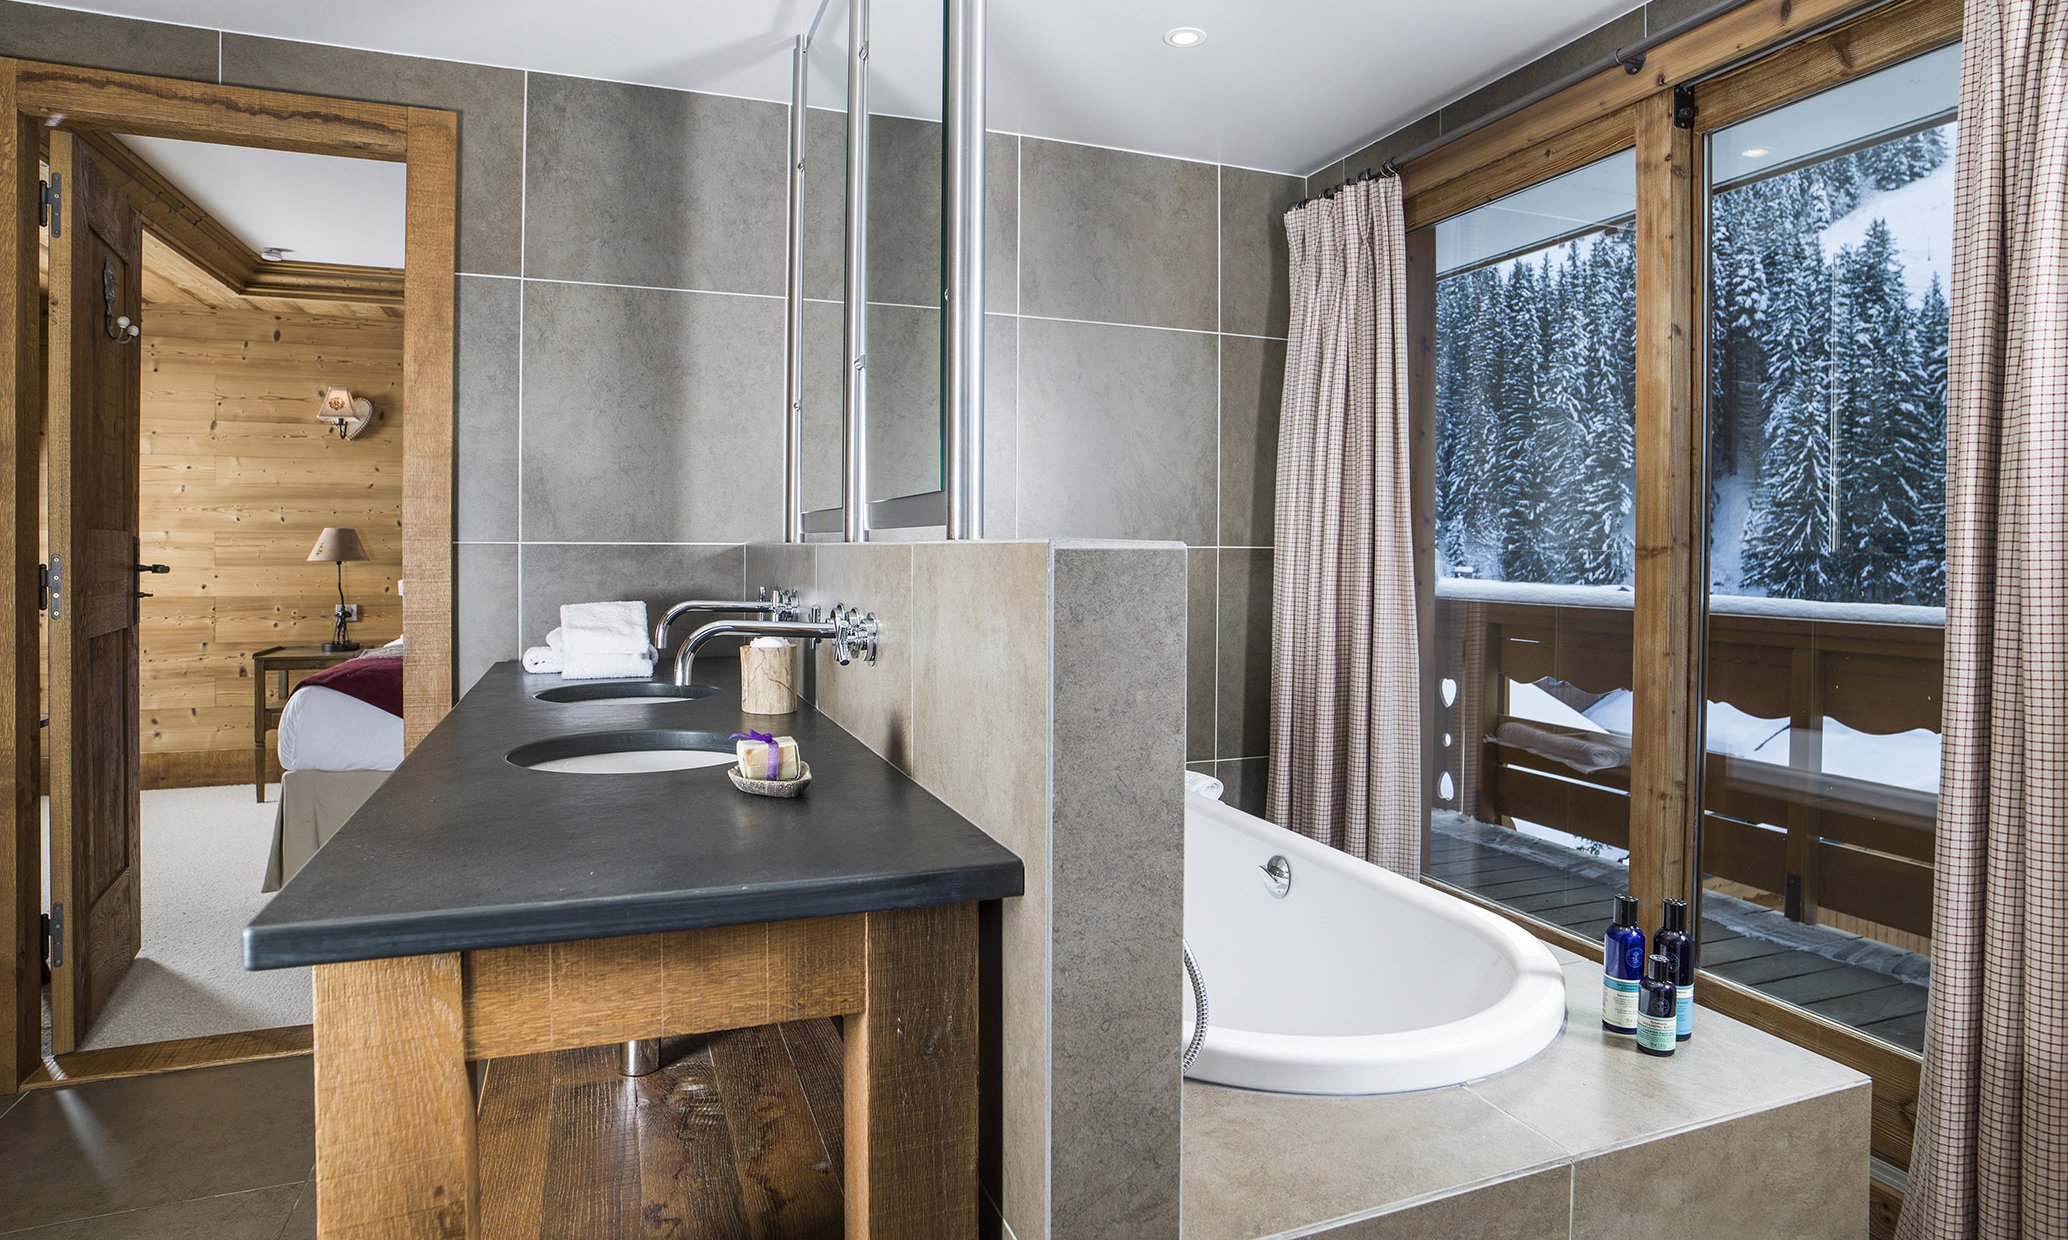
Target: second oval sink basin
<point x="626" y="753"/>
<point x="624" y="692"/>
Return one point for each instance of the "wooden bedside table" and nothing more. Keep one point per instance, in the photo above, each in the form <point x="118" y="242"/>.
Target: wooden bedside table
<point x="265" y="715"/>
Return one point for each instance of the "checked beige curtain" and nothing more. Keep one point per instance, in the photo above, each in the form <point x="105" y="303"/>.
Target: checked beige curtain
<point x="1345" y="673"/>
<point x="1990" y="1160"/>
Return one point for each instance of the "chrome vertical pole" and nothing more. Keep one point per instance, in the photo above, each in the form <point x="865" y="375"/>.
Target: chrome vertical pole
<point x="854" y="497"/>
<point x="963" y="374"/>
<point x="793" y="326"/>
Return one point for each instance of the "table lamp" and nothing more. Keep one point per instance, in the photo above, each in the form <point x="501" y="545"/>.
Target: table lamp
<point x="336" y="545"/>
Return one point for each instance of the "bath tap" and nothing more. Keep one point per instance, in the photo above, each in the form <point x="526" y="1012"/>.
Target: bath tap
<point x="778" y="604"/>
<point x="851" y="633"/>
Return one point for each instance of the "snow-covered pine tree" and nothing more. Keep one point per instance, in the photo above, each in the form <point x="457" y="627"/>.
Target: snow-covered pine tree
<point x="1883" y="448"/>
<point x="1602" y="498"/>
<point x="1928" y="543"/>
<point x="1789" y="533"/>
<point x="1562" y="448"/>
<point x="1451" y="297"/>
<point x="1519" y="357"/>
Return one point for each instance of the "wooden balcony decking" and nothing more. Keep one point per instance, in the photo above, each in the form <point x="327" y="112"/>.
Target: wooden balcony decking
<point x="1873" y="1001"/>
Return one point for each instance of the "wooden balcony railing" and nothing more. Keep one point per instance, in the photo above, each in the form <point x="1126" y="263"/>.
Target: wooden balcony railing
<point x="1820" y="841"/>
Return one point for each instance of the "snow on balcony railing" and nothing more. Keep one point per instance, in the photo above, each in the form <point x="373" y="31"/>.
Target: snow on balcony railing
<point x="1477" y="590"/>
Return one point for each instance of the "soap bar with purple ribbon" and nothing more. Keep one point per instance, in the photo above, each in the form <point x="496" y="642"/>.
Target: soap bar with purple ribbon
<point x="763" y="756"/>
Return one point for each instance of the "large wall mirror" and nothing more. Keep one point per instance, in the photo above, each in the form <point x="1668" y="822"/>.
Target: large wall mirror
<point x="898" y="217"/>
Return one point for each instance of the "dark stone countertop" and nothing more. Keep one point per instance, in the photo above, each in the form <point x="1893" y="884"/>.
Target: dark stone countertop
<point x="460" y="849"/>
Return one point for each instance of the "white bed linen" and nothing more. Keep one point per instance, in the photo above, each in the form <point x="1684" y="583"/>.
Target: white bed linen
<point x="324" y="730"/>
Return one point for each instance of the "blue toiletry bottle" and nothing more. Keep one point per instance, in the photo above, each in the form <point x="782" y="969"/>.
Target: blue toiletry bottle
<point x="1675" y="943"/>
<point x="1655" y="1019"/>
<point x="1622" y="968"/>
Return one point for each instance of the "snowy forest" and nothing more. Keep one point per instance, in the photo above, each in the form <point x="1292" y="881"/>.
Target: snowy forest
<point x="1827" y="393"/>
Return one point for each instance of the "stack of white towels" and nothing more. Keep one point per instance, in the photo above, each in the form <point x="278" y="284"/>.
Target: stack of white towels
<point x="596" y="641"/>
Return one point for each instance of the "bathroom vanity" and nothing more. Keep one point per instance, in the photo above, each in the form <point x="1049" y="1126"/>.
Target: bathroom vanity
<point x="476" y="908"/>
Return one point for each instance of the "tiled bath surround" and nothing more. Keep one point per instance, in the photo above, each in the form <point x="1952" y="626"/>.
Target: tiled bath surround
<point x="1739" y="1136"/>
<point x="1017" y="683"/>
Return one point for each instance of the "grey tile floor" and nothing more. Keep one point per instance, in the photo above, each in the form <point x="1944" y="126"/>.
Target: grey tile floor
<point x="212" y="1154"/>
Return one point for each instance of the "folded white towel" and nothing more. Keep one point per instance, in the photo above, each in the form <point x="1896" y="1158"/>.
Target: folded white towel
<point x="581" y="665"/>
<point x="556" y="640"/>
<point x="541" y="659"/>
<point x="1203" y="784"/>
<point x="604" y="628"/>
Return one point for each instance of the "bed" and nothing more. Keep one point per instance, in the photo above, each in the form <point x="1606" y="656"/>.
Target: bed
<point x="336" y="746"/>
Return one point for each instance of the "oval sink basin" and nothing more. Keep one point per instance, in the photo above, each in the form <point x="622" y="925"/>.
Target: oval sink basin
<point x="624" y="692"/>
<point x="626" y="753"/>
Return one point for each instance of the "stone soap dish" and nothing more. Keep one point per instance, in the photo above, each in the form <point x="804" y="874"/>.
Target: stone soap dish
<point x="772" y="787"/>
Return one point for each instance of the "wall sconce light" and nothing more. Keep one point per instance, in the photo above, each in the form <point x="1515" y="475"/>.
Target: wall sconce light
<point x="348" y="413"/>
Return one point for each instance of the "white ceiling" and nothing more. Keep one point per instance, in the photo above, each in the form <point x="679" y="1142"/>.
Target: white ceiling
<point x="1282" y="85"/>
<point x="320" y="208"/>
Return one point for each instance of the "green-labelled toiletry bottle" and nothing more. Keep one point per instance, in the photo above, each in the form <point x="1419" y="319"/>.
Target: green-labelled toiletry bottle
<point x="1655" y="1008"/>
<point x="1675" y="943"/>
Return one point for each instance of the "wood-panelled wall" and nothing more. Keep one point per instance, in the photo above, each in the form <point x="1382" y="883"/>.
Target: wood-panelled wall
<point x="238" y="478"/>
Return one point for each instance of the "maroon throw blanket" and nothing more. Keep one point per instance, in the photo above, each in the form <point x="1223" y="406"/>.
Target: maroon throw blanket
<point x="377" y="682"/>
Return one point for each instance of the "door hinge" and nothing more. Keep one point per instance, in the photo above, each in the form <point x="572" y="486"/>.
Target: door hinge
<point x="54" y="934"/>
<point x="50" y="204"/>
<point x="1683" y="107"/>
<point x="55" y="580"/>
<point x="43" y="587"/>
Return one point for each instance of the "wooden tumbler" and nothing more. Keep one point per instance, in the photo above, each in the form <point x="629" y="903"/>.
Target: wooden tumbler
<point x="768" y="679"/>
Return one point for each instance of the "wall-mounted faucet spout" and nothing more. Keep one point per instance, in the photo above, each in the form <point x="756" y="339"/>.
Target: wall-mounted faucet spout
<point x="777" y="604"/>
<point x="852" y="634"/>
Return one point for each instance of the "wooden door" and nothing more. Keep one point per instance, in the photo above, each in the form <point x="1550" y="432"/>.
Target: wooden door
<point x="95" y="277"/>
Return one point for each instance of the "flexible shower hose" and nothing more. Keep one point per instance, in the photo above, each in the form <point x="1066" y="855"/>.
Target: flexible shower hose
<point x="1199" y="1004"/>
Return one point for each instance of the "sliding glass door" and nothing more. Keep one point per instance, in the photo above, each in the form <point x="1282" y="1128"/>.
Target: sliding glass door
<point x="1535" y="381"/>
<point x="1830" y="248"/>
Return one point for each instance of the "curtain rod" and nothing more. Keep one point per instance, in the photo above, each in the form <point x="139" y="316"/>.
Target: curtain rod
<point x="1630" y="59"/>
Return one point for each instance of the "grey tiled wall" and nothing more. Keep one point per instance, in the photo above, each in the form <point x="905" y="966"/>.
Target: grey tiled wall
<point x="1148" y="346"/>
<point x="1596" y="47"/>
<point x="620" y="352"/>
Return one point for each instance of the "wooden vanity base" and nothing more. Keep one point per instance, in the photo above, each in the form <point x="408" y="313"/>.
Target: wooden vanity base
<point x="396" y="1148"/>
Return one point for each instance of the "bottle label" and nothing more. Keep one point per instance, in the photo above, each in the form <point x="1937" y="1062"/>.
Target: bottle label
<point x="1684" y="1011"/>
<point x="1619" y="1004"/>
<point x="1655" y="1033"/>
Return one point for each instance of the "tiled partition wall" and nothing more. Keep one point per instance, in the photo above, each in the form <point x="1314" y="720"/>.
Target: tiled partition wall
<point x="1016" y="684"/>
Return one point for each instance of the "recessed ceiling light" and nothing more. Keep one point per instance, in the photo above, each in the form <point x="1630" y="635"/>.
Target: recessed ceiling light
<point x="1185" y="36"/>
<point x="1755" y="152"/>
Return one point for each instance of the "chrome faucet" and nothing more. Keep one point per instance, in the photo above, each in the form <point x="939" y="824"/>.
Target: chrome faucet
<point x="777" y="604"/>
<point x="852" y="634"/>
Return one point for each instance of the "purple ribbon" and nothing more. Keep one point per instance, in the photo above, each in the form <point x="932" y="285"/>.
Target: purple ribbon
<point x="775" y="753"/>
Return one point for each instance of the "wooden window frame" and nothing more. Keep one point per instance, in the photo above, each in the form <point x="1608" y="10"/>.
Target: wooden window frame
<point x="1750" y="60"/>
<point x="34" y="95"/>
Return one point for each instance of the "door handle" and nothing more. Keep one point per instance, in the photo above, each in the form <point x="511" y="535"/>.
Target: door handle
<point x="154" y="568"/>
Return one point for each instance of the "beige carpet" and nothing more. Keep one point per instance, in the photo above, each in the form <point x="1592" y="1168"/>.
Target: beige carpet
<point x="204" y="856"/>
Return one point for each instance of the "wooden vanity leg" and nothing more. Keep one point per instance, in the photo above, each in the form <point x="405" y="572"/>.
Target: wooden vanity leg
<point x="912" y="1079"/>
<point x="395" y="1153"/>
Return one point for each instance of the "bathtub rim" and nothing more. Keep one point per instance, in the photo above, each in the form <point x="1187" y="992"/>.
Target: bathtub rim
<point x="1530" y="1015"/>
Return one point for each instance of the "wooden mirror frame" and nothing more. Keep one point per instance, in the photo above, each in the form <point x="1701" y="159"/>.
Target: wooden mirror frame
<point x="34" y="95"/>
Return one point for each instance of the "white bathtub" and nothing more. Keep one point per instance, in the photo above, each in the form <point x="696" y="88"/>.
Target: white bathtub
<point x="1357" y="981"/>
